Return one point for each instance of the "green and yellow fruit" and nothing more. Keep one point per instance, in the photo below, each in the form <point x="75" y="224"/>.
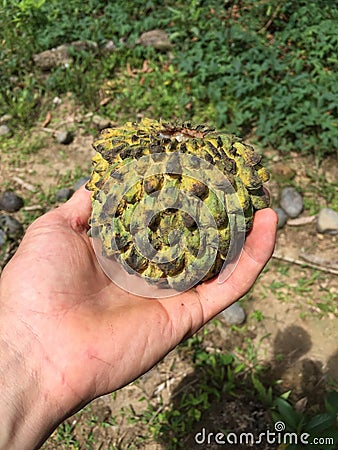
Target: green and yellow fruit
<point x="168" y="198"/>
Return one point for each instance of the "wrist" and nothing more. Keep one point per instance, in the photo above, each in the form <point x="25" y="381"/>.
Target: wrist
<point x="27" y="409"/>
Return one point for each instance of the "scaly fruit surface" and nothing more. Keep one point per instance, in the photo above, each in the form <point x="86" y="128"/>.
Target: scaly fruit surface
<point x="168" y="198"/>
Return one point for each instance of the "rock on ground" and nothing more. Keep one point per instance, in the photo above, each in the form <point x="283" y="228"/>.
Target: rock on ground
<point x="327" y="221"/>
<point x="10" y="202"/>
<point x="4" y="130"/>
<point x="61" y="56"/>
<point x="109" y="46"/>
<point x="80" y="182"/>
<point x="100" y="122"/>
<point x="3" y="237"/>
<point x="292" y="202"/>
<point x="157" y="39"/>
<point x="64" y="137"/>
<point x="63" y="194"/>
<point x="11" y="226"/>
<point x="282" y="217"/>
<point x="234" y="314"/>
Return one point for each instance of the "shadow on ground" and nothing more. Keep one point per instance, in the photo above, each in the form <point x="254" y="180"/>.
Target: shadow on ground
<point x="240" y="410"/>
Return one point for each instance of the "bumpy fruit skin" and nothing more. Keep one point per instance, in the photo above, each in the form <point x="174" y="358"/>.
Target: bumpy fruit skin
<point x="126" y="198"/>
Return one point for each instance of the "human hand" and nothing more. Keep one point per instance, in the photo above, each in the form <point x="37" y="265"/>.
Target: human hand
<point x="73" y="335"/>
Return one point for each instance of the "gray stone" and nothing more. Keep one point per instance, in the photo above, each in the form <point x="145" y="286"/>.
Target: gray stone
<point x="100" y="122"/>
<point x="5" y="131"/>
<point x="49" y="59"/>
<point x="83" y="46"/>
<point x="10" y="202"/>
<point x="292" y="202"/>
<point x="10" y="225"/>
<point x="282" y="217"/>
<point x="109" y="47"/>
<point x="327" y="221"/>
<point x="80" y="183"/>
<point x="62" y="55"/>
<point x="63" y="194"/>
<point x="64" y="137"/>
<point x="157" y="39"/>
<point x="234" y="314"/>
<point x="3" y="238"/>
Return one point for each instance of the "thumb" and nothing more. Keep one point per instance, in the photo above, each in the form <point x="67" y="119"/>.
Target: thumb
<point x="78" y="209"/>
<point x="257" y="250"/>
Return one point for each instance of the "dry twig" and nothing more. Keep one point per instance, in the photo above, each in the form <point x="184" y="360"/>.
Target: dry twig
<point x="24" y="184"/>
<point x="33" y="208"/>
<point x="305" y="263"/>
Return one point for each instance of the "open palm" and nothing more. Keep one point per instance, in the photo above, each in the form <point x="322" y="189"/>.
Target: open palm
<point x="83" y="334"/>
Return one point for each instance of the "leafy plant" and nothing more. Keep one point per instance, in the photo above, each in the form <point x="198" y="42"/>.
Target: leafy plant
<point x="319" y="429"/>
<point x="266" y="67"/>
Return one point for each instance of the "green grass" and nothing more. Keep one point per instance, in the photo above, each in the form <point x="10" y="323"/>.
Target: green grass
<point x="327" y="302"/>
<point x="218" y="378"/>
<point x="304" y="291"/>
<point x="266" y="66"/>
<point x="215" y="376"/>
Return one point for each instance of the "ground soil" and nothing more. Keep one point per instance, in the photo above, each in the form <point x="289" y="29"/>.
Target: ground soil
<point x="294" y="334"/>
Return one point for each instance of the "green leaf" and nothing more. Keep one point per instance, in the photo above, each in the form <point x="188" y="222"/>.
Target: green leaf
<point x="226" y="359"/>
<point x="265" y="395"/>
<point x="288" y="414"/>
<point x="320" y="423"/>
<point x="286" y="395"/>
<point x="331" y="402"/>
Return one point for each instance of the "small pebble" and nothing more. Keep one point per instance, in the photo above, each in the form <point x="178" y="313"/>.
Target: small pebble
<point x="109" y="47"/>
<point x="64" y="137"/>
<point x="5" y="131"/>
<point x="234" y="314"/>
<point x="282" y="217"/>
<point x="80" y="182"/>
<point x="10" y="225"/>
<point x="292" y="202"/>
<point x="10" y="202"/>
<point x="57" y="101"/>
<point x="64" y="194"/>
<point x="327" y="221"/>
<point x="100" y="122"/>
<point x="3" y="238"/>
